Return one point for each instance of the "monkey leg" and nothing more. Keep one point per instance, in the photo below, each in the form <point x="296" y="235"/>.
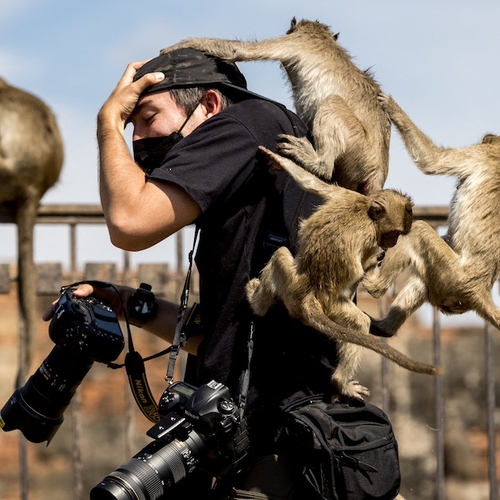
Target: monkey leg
<point x="424" y="251"/>
<point x="437" y="264"/>
<point x="335" y="128"/>
<point x="409" y="299"/>
<point x="25" y="219"/>
<point x="378" y="279"/>
<point x="336" y="131"/>
<point x="444" y="279"/>
<point x="486" y="308"/>
<point x="238" y="50"/>
<point x="278" y="280"/>
<point x="439" y="277"/>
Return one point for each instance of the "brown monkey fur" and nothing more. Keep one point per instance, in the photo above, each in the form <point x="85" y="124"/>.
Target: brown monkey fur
<point x="455" y="273"/>
<point x="31" y="158"/>
<point x="337" y="244"/>
<point x="336" y="101"/>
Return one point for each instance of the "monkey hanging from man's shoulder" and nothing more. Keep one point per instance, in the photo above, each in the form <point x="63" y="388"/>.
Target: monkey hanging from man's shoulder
<point x="337" y="244"/>
<point x="455" y="273"/>
<point x="335" y="100"/>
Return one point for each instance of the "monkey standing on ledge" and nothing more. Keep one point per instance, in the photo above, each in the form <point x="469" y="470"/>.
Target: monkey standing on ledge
<point x="31" y="158"/>
<point x="337" y="244"/>
<point x="335" y="100"/>
<point x="455" y="274"/>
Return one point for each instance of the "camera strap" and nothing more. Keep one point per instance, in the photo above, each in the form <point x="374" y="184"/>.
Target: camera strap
<point x="179" y="335"/>
<point x="134" y="364"/>
<point x="136" y="372"/>
<point x="244" y="382"/>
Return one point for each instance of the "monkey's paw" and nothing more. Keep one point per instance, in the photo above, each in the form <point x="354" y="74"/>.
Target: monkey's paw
<point x="374" y="283"/>
<point x="257" y="303"/>
<point x="301" y="151"/>
<point x="355" y="390"/>
<point x="383" y="100"/>
<point x="388" y="104"/>
<point x="373" y="263"/>
<point x="295" y="147"/>
<point x="251" y="288"/>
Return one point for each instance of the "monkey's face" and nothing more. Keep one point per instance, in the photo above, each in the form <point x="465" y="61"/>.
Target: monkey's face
<point x="388" y="240"/>
<point x="392" y="213"/>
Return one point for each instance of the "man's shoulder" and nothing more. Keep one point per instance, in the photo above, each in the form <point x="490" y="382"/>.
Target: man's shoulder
<point x="257" y="112"/>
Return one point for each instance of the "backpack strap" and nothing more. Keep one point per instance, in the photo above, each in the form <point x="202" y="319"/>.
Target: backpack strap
<point x="295" y="204"/>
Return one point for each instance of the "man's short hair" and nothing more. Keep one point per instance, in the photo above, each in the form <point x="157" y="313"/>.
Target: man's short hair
<point x="189" y="98"/>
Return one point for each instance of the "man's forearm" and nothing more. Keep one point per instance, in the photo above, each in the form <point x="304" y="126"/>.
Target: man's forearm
<point x="119" y="176"/>
<point x="121" y="185"/>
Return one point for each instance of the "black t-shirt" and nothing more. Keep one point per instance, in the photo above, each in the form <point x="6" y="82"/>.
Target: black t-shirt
<point x="241" y="200"/>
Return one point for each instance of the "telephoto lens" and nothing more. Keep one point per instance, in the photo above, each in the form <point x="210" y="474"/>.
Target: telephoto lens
<point x="149" y="474"/>
<point x="200" y="427"/>
<point x="37" y="408"/>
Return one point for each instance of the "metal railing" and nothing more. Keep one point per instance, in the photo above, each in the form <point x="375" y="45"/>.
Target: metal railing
<point x="75" y="215"/>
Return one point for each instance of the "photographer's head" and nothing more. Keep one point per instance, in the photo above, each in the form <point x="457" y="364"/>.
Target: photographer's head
<point x="188" y="68"/>
<point x="195" y="87"/>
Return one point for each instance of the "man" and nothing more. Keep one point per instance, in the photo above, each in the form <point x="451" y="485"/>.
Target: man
<point x="196" y="135"/>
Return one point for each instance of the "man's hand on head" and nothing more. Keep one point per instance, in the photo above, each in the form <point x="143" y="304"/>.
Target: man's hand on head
<point x="119" y="106"/>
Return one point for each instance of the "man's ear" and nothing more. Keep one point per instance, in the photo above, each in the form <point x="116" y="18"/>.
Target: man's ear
<point x="212" y="103"/>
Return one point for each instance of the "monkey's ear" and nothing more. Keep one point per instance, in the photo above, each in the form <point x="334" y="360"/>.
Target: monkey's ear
<point x="490" y="139"/>
<point x="293" y="24"/>
<point x="376" y="210"/>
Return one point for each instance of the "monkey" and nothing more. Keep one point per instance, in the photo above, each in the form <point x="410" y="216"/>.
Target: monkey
<point x="31" y="159"/>
<point x="455" y="273"/>
<point x="336" y="101"/>
<point x="336" y="245"/>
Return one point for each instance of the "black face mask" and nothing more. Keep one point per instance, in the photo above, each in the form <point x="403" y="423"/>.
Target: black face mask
<point x="150" y="152"/>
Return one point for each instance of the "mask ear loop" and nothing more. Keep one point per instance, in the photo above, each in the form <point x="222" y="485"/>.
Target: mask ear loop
<point x="189" y="116"/>
<point x="177" y="135"/>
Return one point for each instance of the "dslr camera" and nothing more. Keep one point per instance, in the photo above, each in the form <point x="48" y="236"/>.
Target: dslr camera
<point x="84" y="330"/>
<point x="200" y="427"/>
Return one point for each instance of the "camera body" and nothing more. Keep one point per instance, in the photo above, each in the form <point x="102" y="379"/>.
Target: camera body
<point x="88" y="325"/>
<point x="207" y="409"/>
<point x="201" y="427"/>
<point x="84" y="331"/>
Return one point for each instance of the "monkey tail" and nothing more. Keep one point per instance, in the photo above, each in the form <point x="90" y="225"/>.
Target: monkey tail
<point x="317" y="319"/>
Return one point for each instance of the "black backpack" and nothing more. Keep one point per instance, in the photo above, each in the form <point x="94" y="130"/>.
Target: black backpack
<point x="348" y="449"/>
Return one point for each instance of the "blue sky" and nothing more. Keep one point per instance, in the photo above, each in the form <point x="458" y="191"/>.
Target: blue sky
<point x="438" y="58"/>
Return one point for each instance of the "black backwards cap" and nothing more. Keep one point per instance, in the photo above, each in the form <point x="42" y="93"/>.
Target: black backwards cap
<point x="191" y="68"/>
